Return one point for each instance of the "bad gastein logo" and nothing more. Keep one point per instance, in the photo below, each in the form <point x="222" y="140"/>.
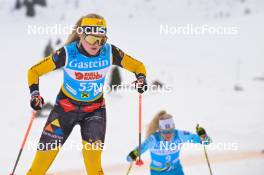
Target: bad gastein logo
<point x="88" y="76"/>
<point x="91" y="64"/>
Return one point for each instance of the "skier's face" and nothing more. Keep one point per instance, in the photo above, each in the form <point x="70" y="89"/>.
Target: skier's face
<point x="92" y="49"/>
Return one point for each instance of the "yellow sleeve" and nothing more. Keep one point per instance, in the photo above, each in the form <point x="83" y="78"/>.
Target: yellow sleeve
<point x="119" y="58"/>
<point x="133" y="65"/>
<point x="41" y="68"/>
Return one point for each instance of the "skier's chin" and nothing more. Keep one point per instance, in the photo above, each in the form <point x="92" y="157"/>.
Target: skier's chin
<point x="93" y="51"/>
<point x="167" y="137"/>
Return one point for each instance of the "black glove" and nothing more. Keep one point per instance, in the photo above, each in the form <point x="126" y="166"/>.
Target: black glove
<point x="132" y="156"/>
<point x="200" y="131"/>
<point x="36" y="101"/>
<point x="203" y="135"/>
<point x="141" y="83"/>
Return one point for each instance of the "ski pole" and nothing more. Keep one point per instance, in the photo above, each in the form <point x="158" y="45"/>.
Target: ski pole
<point x="207" y="160"/>
<point x="205" y="152"/>
<point x="139" y="162"/>
<point x="24" y="141"/>
<point x="129" y="168"/>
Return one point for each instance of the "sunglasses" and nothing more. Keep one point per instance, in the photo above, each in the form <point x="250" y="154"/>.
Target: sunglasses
<point x="92" y="40"/>
<point x="167" y="131"/>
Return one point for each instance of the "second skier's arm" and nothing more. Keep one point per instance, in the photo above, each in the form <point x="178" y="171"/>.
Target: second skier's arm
<point x="188" y="137"/>
<point x="147" y="144"/>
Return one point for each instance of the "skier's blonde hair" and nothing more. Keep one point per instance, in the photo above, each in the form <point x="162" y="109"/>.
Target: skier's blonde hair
<point x="74" y="35"/>
<point x="154" y="124"/>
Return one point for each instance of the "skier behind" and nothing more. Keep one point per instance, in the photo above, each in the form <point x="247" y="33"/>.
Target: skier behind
<point x="164" y="142"/>
<point x="85" y="59"/>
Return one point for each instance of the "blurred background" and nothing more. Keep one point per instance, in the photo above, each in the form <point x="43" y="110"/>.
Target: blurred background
<point x="216" y="80"/>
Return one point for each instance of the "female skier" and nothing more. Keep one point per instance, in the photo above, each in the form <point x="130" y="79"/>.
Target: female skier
<point x="164" y="142"/>
<point x="85" y="60"/>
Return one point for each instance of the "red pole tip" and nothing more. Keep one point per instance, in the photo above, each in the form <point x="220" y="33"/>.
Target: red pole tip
<point x="139" y="162"/>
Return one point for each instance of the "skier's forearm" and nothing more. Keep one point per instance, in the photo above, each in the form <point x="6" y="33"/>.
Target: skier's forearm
<point x="125" y="61"/>
<point x="132" y="156"/>
<point x="133" y="65"/>
<point x="147" y="144"/>
<point x="195" y="138"/>
<point x="41" y="68"/>
<point x="188" y="137"/>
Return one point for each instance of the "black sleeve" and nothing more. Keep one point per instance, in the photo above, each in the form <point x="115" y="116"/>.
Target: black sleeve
<point x="118" y="55"/>
<point x="59" y="58"/>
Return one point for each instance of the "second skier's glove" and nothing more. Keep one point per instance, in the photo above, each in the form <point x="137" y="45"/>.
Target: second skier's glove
<point x="141" y="83"/>
<point x="200" y="131"/>
<point x="203" y="135"/>
<point x="36" y="101"/>
<point x="132" y="156"/>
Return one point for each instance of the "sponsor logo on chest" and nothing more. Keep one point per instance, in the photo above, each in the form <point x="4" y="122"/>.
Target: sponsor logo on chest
<point x="88" y="76"/>
<point x="75" y="63"/>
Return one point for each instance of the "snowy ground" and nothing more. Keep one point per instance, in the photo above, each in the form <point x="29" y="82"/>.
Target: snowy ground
<point x="201" y="70"/>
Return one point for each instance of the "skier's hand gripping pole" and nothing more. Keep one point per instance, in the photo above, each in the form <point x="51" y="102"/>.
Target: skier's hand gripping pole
<point x="24" y="141"/>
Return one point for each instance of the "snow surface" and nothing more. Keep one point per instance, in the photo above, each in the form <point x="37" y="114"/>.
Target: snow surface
<point x="201" y="70"/>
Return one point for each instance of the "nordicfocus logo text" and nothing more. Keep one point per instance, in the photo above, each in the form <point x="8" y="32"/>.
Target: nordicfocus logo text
<point x="59" y="29"/>
<point x="92" y="64"/>
<point x="97" y="30"/>
<point x="192" y="29"/>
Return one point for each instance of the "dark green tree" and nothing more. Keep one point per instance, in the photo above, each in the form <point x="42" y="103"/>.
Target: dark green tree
<point x="115" y="79"/>
<point x="40" y="2"/>
<point x="18" y="5"/>
<point x="30" y="8"/>
<point x="48" y="49"/>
